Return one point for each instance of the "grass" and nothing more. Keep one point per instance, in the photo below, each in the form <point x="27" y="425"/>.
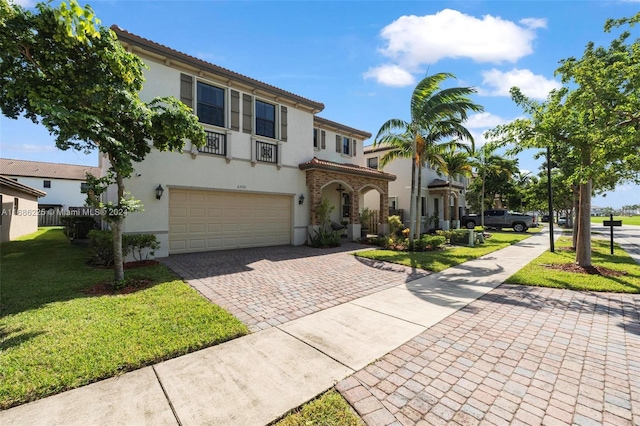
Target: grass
<point x="439" y="260"/>
<point x="330" y="409"/>
<point x="626" y="220"/>
<point x="55" y="337"/>
<point x="536" y="274"/>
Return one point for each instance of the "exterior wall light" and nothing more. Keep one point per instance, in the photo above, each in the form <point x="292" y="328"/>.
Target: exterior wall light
<point x="301" y="199"/>
<point x="159" y="191"/>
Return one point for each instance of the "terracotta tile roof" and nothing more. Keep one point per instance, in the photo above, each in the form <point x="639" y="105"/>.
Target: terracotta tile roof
<point x="441" y="183"/>
<point x="316" y="163"/>
<point x="340" y="127"/>
<point x="152" y="46"/>
<point x="5" y="181"/>
<point x="46" y="170"/>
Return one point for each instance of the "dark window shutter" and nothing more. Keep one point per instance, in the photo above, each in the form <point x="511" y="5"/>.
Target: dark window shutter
<point x="283" y="123"/>
<point x="247" y="113"/>
<point x="186" y="90"/>
<point x="235" y="110"/>
<point x="323" y="140"/>
<point x="353" y="153"/>
<point x="338" y="143"/>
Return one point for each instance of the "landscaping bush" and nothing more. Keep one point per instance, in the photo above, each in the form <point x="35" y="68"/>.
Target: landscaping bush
<point x="428" y="242"/>
<point x="141" y="246"/>
<point x="395" y="225"/>
<point x="325" y="238"/>
<point x="78" y="227"/>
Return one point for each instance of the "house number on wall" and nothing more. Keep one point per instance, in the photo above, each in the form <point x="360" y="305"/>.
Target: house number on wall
<point x="242" y="186"/>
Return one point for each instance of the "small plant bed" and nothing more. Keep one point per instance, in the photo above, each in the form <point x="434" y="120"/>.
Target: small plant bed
<point x="617" y="273"/>
<point x="330" y="409"/>
<point x="441" y="259"/>
<point x="62" y="326"/>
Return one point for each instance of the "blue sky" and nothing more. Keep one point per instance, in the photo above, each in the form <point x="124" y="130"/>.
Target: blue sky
<point x="363" y="58"/>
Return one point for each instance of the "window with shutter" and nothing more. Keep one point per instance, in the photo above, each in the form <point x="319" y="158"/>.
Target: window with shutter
<point x="247" y="113"/>
<point x="316" y="142"/>
<point x="186" y="90"/>
<point x="210" y="104"/>
<point x="283" y="123"/>
<point x="323" y="140"/>
<point x="338" y="143"/>
<point x="235" y="110"/>
<point x="346" y="145"/>
<point x="265" y="119"/>
<point x="353" y="151"/>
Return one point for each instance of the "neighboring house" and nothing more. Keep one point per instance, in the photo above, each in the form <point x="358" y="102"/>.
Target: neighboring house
<point x="433" y="192"/>
<point x="61" y="182"/>
<point x="268" y="162"/>
<point x="19" y="215"/>
<point x="597" y="211"/>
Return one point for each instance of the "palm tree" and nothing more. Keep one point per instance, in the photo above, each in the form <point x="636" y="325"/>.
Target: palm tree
<point x="455" y="161"/>
<point x="436" y="114"/>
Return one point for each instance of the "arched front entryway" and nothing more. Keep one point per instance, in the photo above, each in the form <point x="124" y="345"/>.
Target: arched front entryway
<point x="325" y="179"/>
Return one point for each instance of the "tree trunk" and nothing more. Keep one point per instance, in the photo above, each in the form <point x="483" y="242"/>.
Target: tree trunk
<point x="116" y="227"/>
<point x="418" y="204"/>
<point x="583" y="247"/>
<point x="576" y="211"/>
<point x="412" y="202"/>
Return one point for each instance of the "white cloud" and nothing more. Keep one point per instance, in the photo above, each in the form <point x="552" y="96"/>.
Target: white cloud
<point x="414" y="40"/>
<point x="484" y="120"/>
<point x="390" y="75"/>
<point x="25" y="147"/>
<point x="532" y="85"/>
<point x="24" y="3"/>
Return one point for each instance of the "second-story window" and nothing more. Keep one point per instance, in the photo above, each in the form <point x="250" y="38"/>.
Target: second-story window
<point x="265" y="119"/>
<point x="315" y="138"/>
<point x="210" y="104"/>
<point x="372" y="162"/>
<point x="47" y="184"/>
<point x="346" y="146"/>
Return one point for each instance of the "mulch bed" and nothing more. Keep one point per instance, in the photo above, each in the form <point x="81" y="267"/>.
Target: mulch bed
<point x="133" y="284"/>
<point x="590" y="270"/>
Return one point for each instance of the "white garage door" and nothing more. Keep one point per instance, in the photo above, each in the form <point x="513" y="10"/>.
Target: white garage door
<point x="211" y="220"/>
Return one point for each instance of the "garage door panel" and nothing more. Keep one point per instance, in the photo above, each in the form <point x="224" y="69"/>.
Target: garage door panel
<point x="210" y="220"/>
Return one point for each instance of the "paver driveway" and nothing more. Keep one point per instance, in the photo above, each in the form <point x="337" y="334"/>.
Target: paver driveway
<point x="265" y="287"/>
<point x="518" y="355"/>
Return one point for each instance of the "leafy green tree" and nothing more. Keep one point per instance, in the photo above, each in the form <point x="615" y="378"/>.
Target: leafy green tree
<point x="455" y="161"/>
<point x="59" y="67"/>
<point x="435" y="115"/>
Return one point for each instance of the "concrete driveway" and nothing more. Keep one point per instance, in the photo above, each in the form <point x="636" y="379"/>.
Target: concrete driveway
<point x="269" y="286"/>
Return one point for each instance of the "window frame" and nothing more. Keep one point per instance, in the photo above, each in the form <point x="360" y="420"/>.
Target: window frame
<point x="316" y="138"/>
<point x="377" y="160"/>
<point x="256" y="118"/>
<point x="223" y="108"/>
<point x="346" y="143"/>
<point x="46" y="184"/>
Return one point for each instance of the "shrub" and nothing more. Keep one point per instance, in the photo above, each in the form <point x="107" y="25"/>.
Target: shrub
<point x="101" y="242"/>
<point x="325" y="238"/>
<point x="395" y="225"/>
<point x="140" y="245"/>
<point x="78" y="227"/>
<point x="428" y="242"/>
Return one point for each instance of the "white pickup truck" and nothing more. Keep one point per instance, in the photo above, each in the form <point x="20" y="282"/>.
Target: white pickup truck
<point x="500" y="218"/>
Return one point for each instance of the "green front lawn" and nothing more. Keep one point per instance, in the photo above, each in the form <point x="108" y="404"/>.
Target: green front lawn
<point x="55" y="337"/>
<point x="536" y="274"/>
<point x="330" y="409"/>
<point x="626" y="220"/>
<point x="439" y="260"/>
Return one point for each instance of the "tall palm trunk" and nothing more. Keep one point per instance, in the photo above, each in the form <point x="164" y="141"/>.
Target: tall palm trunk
<point x="412" y="201"/>
<point x="418" y="204"/>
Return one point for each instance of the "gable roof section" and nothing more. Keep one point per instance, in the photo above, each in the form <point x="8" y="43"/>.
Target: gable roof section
<point x="45" y="170"/>
<point x="340" y="128"/>
<point x="10" y="183"/>
<point x="353" y="169"/>
<point x="130" y="39"/>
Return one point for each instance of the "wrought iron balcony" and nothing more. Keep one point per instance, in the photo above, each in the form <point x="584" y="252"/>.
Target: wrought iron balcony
<point x="216" y="144"/>
<point x="266" y="152"/>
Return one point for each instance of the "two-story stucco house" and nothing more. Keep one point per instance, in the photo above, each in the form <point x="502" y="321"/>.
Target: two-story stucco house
<point x="18" y="209"/>
<point x="433" y="192"/>
<point x="268" y="162"/>
<point x="61" y="182"/>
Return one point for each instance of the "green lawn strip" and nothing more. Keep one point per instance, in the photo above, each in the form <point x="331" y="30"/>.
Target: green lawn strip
<point x="439" y="260"/>
<point x="626" y="220"/>
<point x="536" y="274"/>
<point x="55" y="337"/>
<point x="330" y="409"/>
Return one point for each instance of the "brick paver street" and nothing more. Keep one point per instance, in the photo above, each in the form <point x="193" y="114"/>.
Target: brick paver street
<point x="266" y="287"/>
<point x="518" y="355"/>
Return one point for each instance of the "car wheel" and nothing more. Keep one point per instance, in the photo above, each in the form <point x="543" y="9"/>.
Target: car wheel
<point x="519" y="227"/>
<point x="470" y="224"/>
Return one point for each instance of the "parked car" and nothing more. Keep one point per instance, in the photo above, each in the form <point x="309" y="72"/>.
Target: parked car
<point x="562" y="221"/>
<point x="500" y="218"/>
<point x="545" y="218"/>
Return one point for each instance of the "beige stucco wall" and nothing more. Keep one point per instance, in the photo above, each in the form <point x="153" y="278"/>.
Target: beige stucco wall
<point x="25" y="221"/>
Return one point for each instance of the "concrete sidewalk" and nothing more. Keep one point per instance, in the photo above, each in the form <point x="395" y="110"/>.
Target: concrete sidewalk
<point x="257" y="378"/>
